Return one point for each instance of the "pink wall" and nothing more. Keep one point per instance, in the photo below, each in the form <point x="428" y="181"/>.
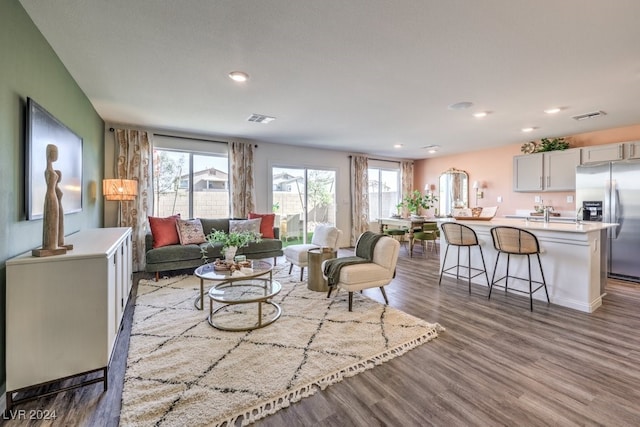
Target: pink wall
<point x="494" y="167"/>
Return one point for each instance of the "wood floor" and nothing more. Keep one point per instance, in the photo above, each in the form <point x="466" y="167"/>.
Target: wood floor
<point x="496" y="364"/>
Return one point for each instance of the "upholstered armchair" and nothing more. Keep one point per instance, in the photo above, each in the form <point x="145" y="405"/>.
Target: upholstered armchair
<point x="375" y="274"/>
<point x="323" y="236"/>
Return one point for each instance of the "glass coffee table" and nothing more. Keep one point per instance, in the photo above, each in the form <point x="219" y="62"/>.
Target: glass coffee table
<point x="229" y="317"/>
<point x="210" y="273"/>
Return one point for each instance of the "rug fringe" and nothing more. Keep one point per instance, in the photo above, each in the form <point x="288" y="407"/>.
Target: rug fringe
<point x="258" y="412"/>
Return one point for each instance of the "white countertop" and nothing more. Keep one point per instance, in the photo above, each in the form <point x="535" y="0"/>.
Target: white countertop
<point x="560" y="225"/>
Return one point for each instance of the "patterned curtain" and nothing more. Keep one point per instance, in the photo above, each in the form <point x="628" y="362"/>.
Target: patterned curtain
<point x="406" y="173"/>
<point x="242" y="183"/>
<point x="359" y="197"/>
<point x="133" y="148"/>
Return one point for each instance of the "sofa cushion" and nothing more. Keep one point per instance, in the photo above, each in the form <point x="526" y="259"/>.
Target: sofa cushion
<point x="190" y="231"/>
<point x="208" y="225"/>
<point x="265" y="245"/>
<point x="211" y="251"/>
<point x="164" y="230"/>
<point x="173" y="252"/>
<point x="266" y="225"/>
<point x="252" y="225"/>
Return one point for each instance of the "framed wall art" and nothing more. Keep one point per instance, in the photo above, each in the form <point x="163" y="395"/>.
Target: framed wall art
<point x="43" y="129"/>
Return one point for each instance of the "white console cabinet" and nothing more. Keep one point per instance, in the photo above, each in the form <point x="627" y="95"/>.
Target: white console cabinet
<point x="64" y="311"/>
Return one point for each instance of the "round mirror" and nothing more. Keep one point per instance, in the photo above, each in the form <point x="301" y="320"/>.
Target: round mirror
<point x="454" y="191"/>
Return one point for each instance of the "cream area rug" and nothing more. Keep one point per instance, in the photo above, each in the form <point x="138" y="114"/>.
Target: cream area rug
<point x="182" y="371"/>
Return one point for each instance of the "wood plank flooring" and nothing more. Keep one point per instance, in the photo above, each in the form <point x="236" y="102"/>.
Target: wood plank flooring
<point x="496" y="364"/>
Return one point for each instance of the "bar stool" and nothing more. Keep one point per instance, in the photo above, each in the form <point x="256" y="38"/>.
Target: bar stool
<point x="459" y="235"/>
<point x="516" y="241"/>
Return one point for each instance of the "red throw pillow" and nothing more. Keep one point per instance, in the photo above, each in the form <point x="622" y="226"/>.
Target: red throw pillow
<point x="164" y="230"/>
<point x="266" y="226"/>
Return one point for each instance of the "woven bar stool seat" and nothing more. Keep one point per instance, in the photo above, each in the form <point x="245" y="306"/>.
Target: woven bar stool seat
<point x="460" y="236"/>
<point x="518" y="242"/>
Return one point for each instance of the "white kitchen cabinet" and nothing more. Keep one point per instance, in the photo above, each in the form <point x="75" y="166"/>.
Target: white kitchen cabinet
<point x="63" y="312"/>
<point x="560" y="169"/>
<point x="528" y="172"/>
<point x="602" y="153"/>
<point x="632" y="149"/>
<point x="548" y="171"/>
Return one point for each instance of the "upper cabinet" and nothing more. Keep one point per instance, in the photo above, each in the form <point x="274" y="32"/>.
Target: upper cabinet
<point x="527" y="172"/>
<point x="548" y="171"/>
<point x="560" y="169"/>
<point x="602" y="153"/>
<point x="632" y="149"/>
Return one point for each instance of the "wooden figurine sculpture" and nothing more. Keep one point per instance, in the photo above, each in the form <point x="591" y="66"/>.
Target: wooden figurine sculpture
<point x="61" y="214"/>
<point x="51" y="212"/>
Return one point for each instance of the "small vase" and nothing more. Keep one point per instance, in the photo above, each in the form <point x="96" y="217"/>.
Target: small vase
<point x="230" y="253"/>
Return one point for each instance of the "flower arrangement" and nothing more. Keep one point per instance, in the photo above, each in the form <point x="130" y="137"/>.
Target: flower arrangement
<point x="416" y="201"/>
<point x="234" y="239"/>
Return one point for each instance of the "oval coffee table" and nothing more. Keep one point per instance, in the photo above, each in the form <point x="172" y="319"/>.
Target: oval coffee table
<point x="230" y="294"/>
<point x="208" y="272"/>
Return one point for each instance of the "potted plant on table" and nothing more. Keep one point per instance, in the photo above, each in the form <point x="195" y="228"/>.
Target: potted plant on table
<point x="416" y="201"/>
<point x="231" y="241"/>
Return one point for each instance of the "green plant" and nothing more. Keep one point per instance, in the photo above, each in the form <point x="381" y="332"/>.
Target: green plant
<point x="416" y="200"/>
<point x="554" y="144"/>
<point x="238" y="239"/>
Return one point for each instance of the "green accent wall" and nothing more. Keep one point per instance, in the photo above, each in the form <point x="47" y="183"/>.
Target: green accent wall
<point x="30" y="68"/>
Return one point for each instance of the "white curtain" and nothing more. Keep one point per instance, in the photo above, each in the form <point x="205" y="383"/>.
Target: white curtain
<point x="134" y="151"/>
<point x="406" y="174"/>
<point x="242" y="181"/>
<point x="359" y="197"/>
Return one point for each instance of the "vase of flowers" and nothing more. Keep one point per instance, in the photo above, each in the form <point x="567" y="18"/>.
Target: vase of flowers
<point x="416" y="201"/>
<point x="231" y="242"/>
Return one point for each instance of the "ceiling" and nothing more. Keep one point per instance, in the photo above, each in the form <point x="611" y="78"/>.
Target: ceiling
<point x="357" y="75"/>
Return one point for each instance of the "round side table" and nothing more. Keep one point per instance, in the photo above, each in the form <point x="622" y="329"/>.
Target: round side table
<point x="315" y="281"/>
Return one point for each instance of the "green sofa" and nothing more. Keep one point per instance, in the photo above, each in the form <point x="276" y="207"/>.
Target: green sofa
<point x="178" y="257"/>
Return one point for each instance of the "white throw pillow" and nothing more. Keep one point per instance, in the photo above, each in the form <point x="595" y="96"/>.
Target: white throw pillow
<point x="245" y="225"/>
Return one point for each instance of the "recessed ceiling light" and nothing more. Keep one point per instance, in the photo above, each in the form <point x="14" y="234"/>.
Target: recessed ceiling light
<point x="531" y="129"/>
<point x="553" y="110"/>
<point x="461" y="105"/>
<point x="239" y="76"/>
<point x="480" y="114"/>
<point x="397" y="145"/>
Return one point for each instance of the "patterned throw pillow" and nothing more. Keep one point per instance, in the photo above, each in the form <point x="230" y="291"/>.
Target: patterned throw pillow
<point x="266" y="226"/>
<point x="164" y="231"/>
<point x="190" y="231"/>
<point x="245" y="225"/>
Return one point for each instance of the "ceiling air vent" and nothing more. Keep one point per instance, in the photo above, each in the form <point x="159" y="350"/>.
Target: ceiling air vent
<point x="260" y="118"/>
<point x="589" y="115"/>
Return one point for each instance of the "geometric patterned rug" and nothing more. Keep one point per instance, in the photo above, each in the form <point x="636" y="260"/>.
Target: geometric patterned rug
<point x="181" y="371"/>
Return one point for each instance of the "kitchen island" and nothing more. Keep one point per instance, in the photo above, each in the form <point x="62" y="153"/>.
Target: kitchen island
<point x="573" y="259"/>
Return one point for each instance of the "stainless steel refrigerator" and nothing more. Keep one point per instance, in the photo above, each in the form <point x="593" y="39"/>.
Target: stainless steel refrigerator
<point x="610" y="192"/>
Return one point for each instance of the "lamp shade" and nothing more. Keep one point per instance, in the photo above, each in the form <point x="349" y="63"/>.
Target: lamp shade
<point x="476" y="185"/>
<point x="119" y="189"/>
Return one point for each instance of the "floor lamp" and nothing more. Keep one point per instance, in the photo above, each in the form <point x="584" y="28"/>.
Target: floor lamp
<point x="119" y="189"/>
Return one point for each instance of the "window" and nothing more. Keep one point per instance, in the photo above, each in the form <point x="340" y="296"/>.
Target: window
<point x="384" y="189"/>
<point x="302" y="198"/>
<point x="189" y="180"/>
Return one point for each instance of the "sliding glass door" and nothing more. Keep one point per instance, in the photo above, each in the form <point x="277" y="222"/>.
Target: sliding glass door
<point x="302" y="198"/>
